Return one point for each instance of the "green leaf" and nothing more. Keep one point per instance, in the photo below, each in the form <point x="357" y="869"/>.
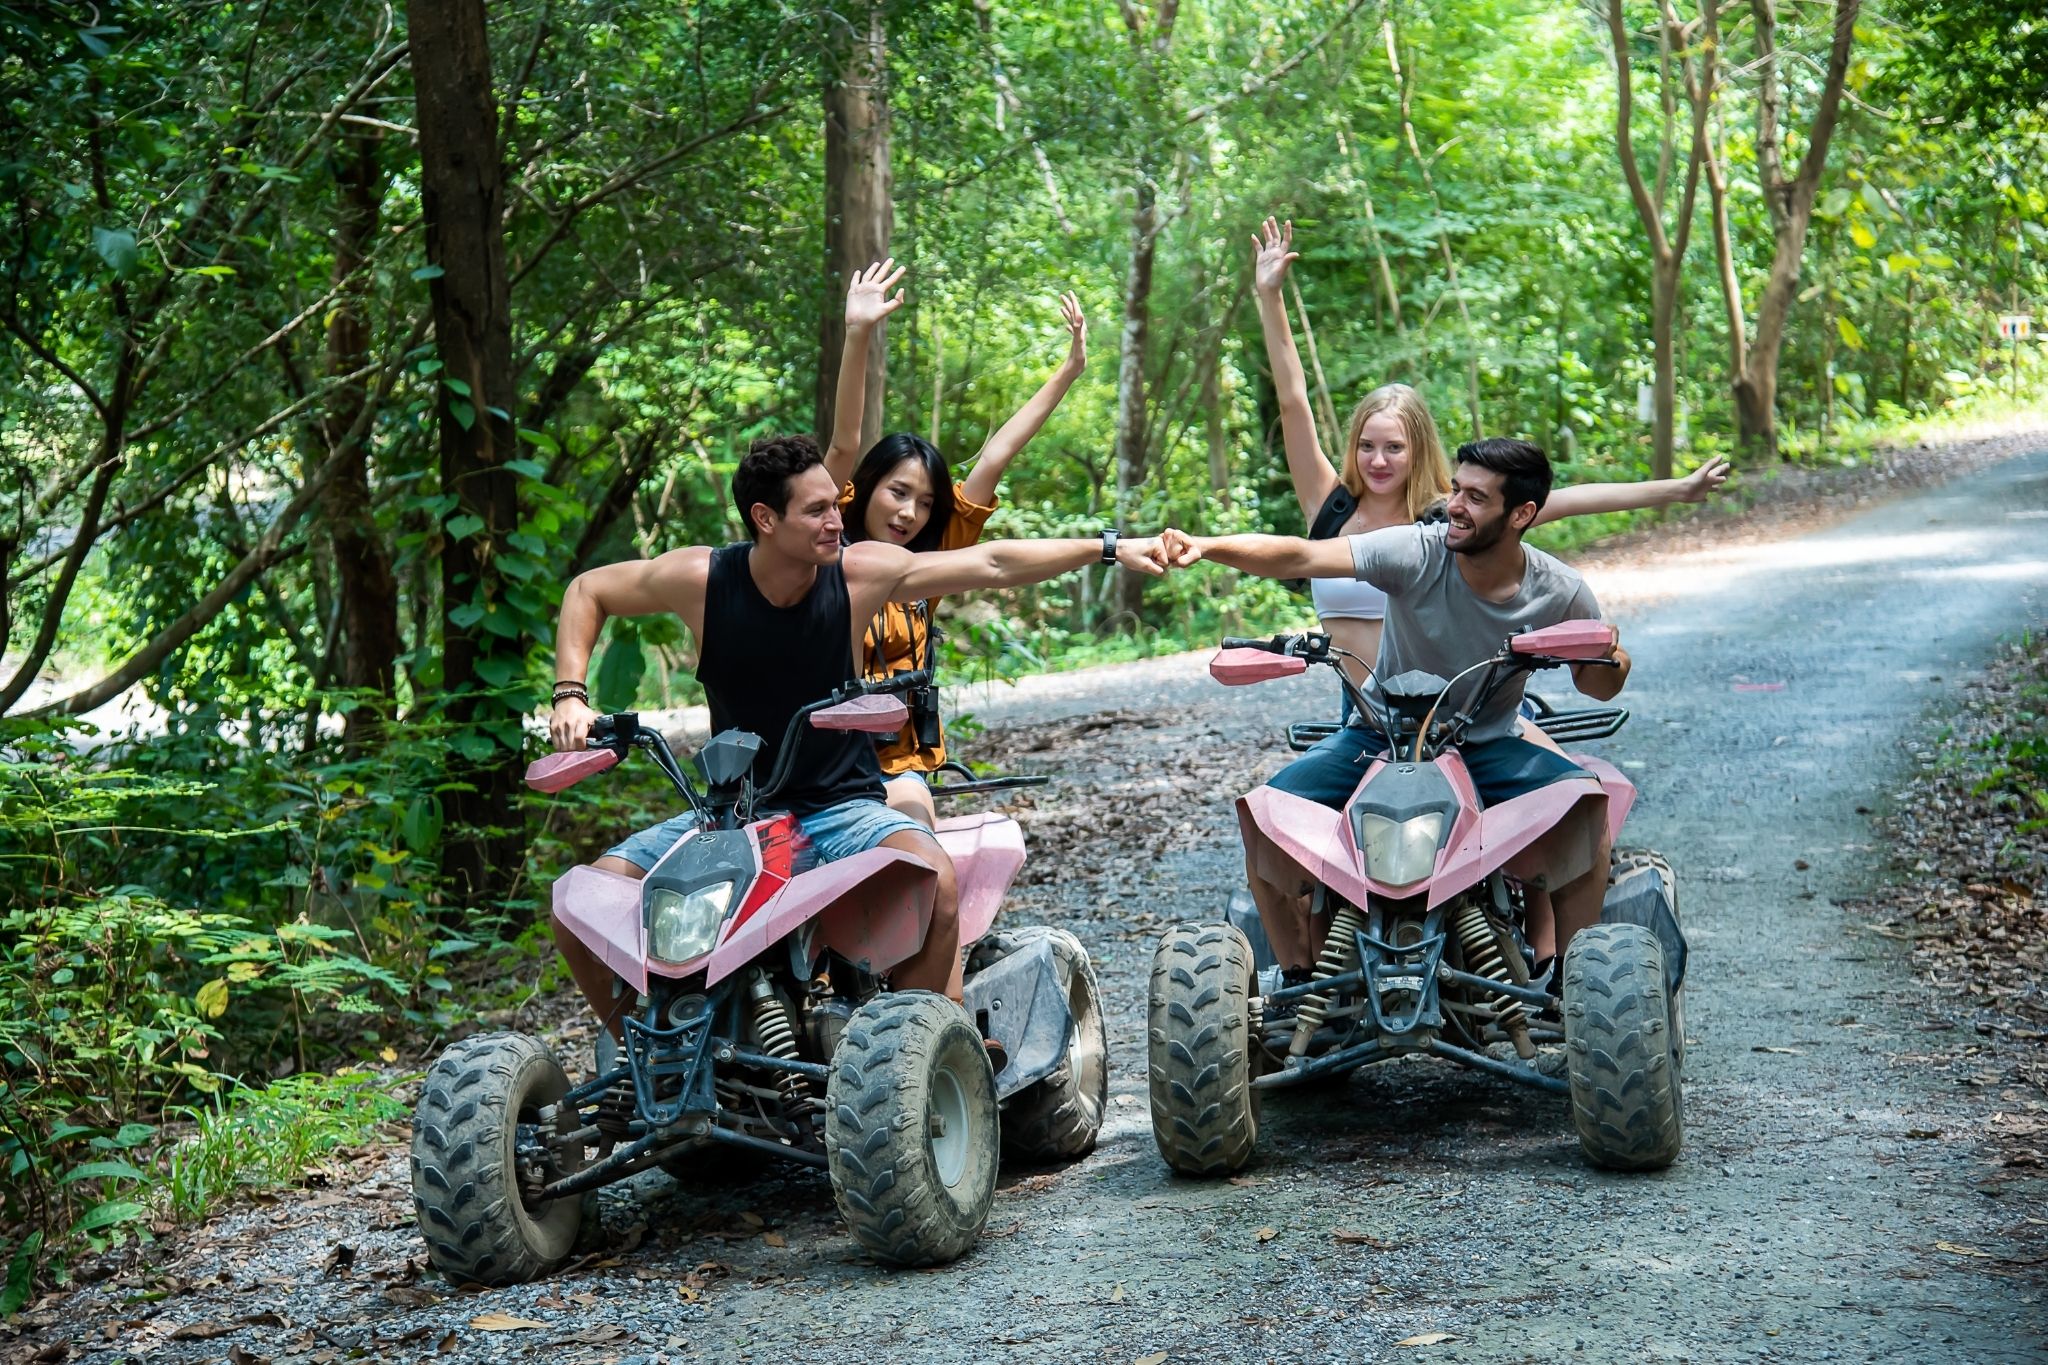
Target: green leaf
<point x="541" y="439"/>
<point x="1862" y="236"/>
<point x="463" y="413"/>
<point x="107" y="1215"/>
<point x="530" y="469"/>
<point x="460" y="386"/>
<point x="428" y="272"/>
<point x="499" y="669"/>
<point x="1851" y="338"/>
<point x="216" y="272"/>
<point x="501" y="624"/>
<point x="466" y="615"/>
<point x="103" y="1170"/>
<point x="516" y="566"/>
<point x="21" y="1275"/>
<point x="1899" y="262"/>
<point x="421" y="827"/>
<point x="133" y="1134"/>
<point x="93" y="42"/>
<point x="212" y="998"/>
<point x="619" y="672"/>
<point x="116" y="246"/>
<point x="476" y="747"/>
<point x="464" y="526"/>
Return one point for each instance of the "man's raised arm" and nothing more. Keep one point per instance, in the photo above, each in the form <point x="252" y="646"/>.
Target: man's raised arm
<point x="900" y="576"/>
<point x="1265" y="556"/>
<point x="640" y="587"/>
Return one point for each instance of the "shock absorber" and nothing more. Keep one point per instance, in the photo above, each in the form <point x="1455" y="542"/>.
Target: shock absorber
<point x="1484" y="957"/>
<point x="1340" y="955"/>
<point x="774" y="1036"/>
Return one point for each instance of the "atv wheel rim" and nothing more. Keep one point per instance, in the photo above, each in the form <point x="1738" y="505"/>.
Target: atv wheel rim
<point x="949" y="1135"/>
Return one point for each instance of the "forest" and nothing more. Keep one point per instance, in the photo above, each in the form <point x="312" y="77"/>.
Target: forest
<point x="337" y="339"/>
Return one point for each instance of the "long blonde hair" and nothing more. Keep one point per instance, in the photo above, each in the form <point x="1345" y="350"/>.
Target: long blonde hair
<point x="1429" y="473"/>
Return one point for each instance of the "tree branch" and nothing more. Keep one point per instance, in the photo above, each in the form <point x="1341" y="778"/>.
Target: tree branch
<point x="1254" y="84"/>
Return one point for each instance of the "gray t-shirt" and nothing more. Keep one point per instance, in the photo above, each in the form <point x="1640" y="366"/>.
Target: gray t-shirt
<point x="1439" y="625"/>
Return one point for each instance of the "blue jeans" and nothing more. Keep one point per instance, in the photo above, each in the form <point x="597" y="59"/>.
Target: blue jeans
<point x="833" y="833"/>
<point x="1501" y="769"/>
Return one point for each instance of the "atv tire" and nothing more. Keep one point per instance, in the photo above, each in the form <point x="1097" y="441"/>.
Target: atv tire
<point x="1624" y="861"/>
<point x="1058" y="1118"/>
<point x="1621" y="1052"/>
<point x="465" y="1170"/>
<point x="911" y="1128"/>
<point x="1205" y="1114"/>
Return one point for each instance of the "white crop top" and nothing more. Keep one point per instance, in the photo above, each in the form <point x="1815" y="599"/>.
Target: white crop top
<point x="1350" y="599"/>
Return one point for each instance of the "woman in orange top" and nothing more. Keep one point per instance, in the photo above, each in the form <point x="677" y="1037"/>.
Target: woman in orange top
<point x="902" y="492"/>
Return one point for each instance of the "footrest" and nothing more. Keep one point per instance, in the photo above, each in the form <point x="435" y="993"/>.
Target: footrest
<point x="1306" y="734"/>
<point x="1596" y="722"/>
<point x="965" y="783"/>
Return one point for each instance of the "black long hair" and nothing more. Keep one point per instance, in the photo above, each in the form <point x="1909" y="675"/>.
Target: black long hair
<point x="881" y="461"/>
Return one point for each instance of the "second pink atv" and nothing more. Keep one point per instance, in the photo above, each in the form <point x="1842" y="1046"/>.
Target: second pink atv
<point x="763" y="1027"/>
<point x="1412" y="938"/>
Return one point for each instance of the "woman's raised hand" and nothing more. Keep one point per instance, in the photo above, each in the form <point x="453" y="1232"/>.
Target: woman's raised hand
<point x="1705" y="481"/>
<point x="1273" y="242"/>
<point x="1077" y="329"/>
<point x="867" y="296"/>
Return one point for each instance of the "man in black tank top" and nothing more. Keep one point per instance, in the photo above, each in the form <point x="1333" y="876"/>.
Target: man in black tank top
<point x="778" y="621"/>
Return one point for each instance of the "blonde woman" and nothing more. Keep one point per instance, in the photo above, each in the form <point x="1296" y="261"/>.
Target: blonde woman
<point x="1394" y="470"/>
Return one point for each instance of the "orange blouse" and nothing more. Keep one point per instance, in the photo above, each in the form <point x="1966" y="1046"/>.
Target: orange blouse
<point x="897" y="639"/>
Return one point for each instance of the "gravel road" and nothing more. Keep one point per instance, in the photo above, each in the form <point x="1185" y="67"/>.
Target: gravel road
<point x="1831" y="1202"/>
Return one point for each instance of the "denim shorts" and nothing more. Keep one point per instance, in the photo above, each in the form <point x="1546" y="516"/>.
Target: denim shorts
<point x="1501" y="769"/>
<point x="831" y="834"/>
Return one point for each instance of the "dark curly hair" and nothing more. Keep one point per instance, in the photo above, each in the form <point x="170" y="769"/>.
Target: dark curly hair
<point x="772" y="461"/>
<point x="880" y="462"/>
<point x="1524" y="468"/>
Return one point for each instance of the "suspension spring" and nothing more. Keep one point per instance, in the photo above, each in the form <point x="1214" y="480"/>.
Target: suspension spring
<point x="1340" y="955"/>
<point x="1484" y="957"/>
<point x="773" y="1035"/>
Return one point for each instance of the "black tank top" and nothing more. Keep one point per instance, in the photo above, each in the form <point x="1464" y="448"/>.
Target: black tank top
<point x="760" y="664"/>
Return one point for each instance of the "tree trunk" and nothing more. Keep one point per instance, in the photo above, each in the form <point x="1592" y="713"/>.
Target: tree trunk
<point x="1756" y="404"/>
<point x="860" y="211"/>
<point x="1663" y="317"/>
<point x="1790" y="201"/>
<point x="1131" y="426"/>
<point x="368" y="589"/>
<point x="1218" y="430"/>
<point x="462" y="194"/>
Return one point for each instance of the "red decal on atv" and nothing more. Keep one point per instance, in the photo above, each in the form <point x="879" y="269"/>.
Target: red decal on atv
<point x="776" y="845"/>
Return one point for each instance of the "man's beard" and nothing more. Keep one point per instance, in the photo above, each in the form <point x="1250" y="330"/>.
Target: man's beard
<point x="1481" y="538"/>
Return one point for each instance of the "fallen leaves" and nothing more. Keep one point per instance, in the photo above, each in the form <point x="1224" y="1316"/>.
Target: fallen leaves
<point x="1348" y="1238"/>
<point x="1156" y="1358"/>
<point x="203" y="1331"/>
<point x="502" y="1322"/>
<point x="1780" y="1051"/>
<point x="1427" y="1339"/>
<point x="1956" y="1249"/>
<point x="1266" y="1234"/>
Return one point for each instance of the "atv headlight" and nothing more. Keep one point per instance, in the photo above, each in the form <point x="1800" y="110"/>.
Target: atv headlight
<point x="1398" y="853"/>
<point x="682" y="926"/>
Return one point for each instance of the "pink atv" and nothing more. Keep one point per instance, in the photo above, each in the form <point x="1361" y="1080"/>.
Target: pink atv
<point x="1415" y="921"/>
<point x="764" y="1028"/>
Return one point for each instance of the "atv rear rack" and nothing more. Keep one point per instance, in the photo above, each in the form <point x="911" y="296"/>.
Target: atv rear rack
<point x="1566" y="727"/>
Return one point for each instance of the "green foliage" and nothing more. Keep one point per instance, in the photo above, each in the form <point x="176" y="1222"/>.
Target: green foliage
<point x="243" y="1139"/>
<point x="117" y="1002"/>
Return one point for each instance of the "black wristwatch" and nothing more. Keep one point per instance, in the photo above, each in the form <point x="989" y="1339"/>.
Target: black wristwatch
<point x="1109" y="539"/>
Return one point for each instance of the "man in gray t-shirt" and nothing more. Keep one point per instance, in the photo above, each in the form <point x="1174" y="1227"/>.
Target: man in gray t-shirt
<point x="1455" y="592"/>
<point x="1437" y="623"/>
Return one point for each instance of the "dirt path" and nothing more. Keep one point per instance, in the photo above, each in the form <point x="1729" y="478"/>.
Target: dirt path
<point x="1811" y="1217"/>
